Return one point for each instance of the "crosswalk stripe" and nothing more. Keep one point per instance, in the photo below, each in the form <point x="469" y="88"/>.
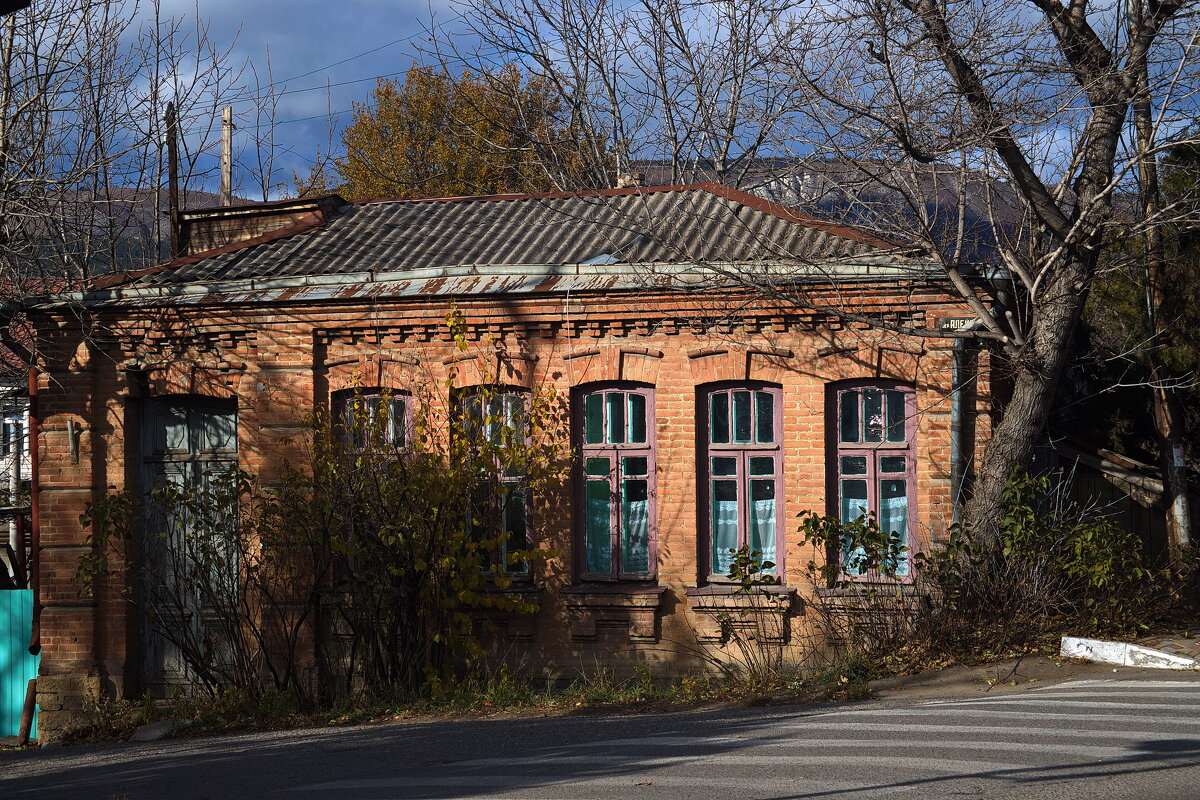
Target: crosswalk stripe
<point x="519" y="781"/>
<point x="879" y="727"/>
<point x="936" y="765"/>
<point x="1022" y="701"/>
<point x="1194" y="696"/>
<point x="987" y="712"/>
<point x="1095" y="752"/>
<point x="1129" y="684"/>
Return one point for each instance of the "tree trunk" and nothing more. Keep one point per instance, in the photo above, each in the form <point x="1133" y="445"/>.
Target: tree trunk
<point x="1168" y="420"/>
<point x="1036" y="372"/>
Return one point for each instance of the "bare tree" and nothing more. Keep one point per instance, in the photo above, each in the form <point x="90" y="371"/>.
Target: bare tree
<point x="979" y="130"/>
<point x="83" y="90"/>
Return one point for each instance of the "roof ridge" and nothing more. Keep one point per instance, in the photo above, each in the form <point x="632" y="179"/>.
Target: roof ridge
<point x="552" y="195"/>
<point x="786" y="213"/>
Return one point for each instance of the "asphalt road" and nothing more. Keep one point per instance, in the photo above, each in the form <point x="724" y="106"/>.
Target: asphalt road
<point x="1099" y="735"/>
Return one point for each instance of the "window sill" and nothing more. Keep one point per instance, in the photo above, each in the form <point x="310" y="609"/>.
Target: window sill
<point x="731" y="589"/>
<point x="720" y="608"/>
<point x="864" y="598"/>
<point x="629" y="607"/>
<point x="519" y="626"/>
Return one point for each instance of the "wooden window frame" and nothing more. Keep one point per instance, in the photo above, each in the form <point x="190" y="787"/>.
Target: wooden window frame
<point x="873" y="452"/>
<point x="615" y="452"/>
<point x="341" y="403"/>
<point x="707" y="450"/>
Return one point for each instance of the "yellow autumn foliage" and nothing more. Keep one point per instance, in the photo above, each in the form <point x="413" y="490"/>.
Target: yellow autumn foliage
<point x="434" y="135"/>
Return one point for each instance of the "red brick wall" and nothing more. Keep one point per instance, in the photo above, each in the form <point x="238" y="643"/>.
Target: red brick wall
<point x="280" y="362"/>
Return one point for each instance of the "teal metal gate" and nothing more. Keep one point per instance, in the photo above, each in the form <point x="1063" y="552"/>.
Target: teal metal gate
<point x="17" y="666"/>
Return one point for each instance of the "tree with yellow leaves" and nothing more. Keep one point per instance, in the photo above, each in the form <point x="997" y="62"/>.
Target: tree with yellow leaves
<point x="434" y="135"/>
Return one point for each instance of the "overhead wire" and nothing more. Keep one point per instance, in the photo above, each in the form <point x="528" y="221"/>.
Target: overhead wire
<point x="347" y="60"/>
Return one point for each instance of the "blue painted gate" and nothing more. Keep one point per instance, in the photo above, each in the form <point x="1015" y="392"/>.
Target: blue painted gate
<point x="17" y="666"/>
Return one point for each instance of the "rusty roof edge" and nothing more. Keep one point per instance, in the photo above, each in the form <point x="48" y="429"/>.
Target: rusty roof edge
<point x="857" y="268"/>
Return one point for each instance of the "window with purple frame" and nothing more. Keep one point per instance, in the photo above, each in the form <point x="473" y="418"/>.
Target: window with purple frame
<point x="614" y="435"/>
<point x="490" y="415"/>
<point x="874" y="458"/>
<point x="375" y="412"/>
<point x="741" y="427"/>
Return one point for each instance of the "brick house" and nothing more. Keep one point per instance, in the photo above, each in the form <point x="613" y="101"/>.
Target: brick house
<point x="722" y="413"/>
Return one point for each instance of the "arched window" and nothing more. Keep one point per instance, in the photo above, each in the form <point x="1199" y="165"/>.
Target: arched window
<point x="614" y="435"/>
<point x="873" y="456"/>
<point x="741" y="473"/>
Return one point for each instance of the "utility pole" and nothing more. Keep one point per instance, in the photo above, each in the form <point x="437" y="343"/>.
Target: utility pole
<point x="227" y="156"/>
<point x="173" y="180"/>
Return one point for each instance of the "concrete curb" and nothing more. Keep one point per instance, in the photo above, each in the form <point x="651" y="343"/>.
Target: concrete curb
<point x="1124" y="654"/>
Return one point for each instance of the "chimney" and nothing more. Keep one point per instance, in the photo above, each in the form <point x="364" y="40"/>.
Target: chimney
<point x="207" y="229"/>
<point x="628" y="180"/>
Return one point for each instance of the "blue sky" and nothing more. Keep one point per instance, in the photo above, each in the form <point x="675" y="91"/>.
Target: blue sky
<point x="306" y="39"/>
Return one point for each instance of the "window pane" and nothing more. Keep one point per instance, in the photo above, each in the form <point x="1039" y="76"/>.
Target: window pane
<point x="741" y="417"/>
<point x="854" y="499"/>
<point x="718" y="418"/>
<point x="516" y="415"/>
<point x="848" y="416"/>
<point x="872" y="415"/>
<point x="473" y="414"/>
<point x="637" y="417"/>
<point x="892" y="463"/>
<point x="893" y="514"/>
<point x="515" y="526"/>
<point x="634" y="465"/>
<point x="896" y="413"/>
<point x="724" y="525"/>
<point x="854" y="465"/>
<point x="593" y="419"/>
<point x="854" y="505"/>
<point x="598" y="547"/>
<point x="635" y="528"/>
<point x="724" y="466"/>
<point x="762" y="520"/>
<point x="762" y="465"/>
<point x="616" y="417"/>
<point x="598" y="466"/>
<point x="764" y="409"/>
<point x="399" y="423"/>
<point x="495" y="418"/>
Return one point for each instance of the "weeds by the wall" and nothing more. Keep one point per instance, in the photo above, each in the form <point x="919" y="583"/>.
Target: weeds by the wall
<point x="1055" y="568"/>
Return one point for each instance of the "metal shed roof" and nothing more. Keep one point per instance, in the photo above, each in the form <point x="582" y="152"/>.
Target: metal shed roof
<point x="689" y="224"/>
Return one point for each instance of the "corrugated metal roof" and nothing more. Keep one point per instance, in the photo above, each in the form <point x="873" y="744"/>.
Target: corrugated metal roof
<point x="501" y="280"/>
<point x="697" y="225"/>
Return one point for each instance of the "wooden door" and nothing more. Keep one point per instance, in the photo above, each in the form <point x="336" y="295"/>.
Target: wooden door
<point x="186" y="440"/>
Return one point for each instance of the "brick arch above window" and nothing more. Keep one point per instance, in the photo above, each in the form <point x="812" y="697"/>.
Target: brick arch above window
<point x="501" y="367"/>
<point x="370" y="370"/>
<point x="611" y="363"/>
<point x="191" y="378"/>
<point x="718" y="363"/>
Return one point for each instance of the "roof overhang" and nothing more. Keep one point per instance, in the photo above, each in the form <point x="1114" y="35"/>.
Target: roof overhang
<point x="491" y="279"/>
